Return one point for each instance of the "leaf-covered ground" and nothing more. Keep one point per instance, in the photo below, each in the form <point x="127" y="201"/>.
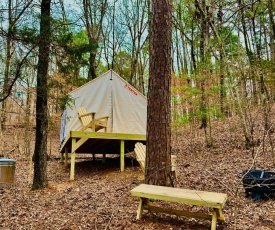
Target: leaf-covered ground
<point x="100" y="198"/>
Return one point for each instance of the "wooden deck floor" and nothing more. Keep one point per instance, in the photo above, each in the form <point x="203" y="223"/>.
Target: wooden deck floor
<point x="97" y="142"/>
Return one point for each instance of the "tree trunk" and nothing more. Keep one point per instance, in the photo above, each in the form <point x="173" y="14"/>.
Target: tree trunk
<point x="203" y="10"/>
<point x="242" y="114"/>
<point x="7" y="68"/>
<point x="158" y="151"/>
<point x="222" y="62"/>
<point x="92" y="68"/>
<point x="94" y="12"/>
<point x="249" y="53"/>
<point x="40" y="151"/>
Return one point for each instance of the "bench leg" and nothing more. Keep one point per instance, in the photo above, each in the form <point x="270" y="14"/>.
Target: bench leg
<point x="219" y="214"/>
<point x="142" y="202"/>
<point x="214" y="220"/>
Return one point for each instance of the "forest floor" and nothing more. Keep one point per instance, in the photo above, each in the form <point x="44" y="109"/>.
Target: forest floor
<point x="100" y="198"/>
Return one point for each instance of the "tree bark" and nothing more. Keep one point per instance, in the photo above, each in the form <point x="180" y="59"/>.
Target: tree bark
<point x="40" y="151"/>
<point x="158" y="151"/>
<point x="92" y="66"/>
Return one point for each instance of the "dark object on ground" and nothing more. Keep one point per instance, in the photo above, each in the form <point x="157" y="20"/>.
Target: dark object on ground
<point x="258" y="183"/>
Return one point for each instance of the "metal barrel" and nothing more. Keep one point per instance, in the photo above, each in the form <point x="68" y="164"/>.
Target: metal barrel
<point x="7" y="171"/>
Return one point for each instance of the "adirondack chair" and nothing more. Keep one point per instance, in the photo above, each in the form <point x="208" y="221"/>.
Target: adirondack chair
<point x="88" y="120"/>
<point x="140" y="151"/>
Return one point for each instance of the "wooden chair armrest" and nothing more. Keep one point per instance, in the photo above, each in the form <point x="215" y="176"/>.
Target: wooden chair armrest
<point x="100" y="118"/>
<point x="87" y="114"/>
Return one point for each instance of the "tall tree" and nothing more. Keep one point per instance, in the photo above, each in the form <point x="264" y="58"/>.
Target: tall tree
<point x="205" y="14"/>
<point x="249" y="51"/>
<point x="14" y="15"/>
<point x="136" y="20"/>
<point x="7" y="64"/>
<point x="94" y="12"/>
<point x="40" y="151"/>
<point x="158" y="151"/>
<point x="272" y="29"/>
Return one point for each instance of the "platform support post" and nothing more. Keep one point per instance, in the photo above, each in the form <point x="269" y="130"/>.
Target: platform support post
<point x="66" y="158"/>
<point x="122" y="163"/>
<point x="61" y="157"/>
<point x="72" y="159"/>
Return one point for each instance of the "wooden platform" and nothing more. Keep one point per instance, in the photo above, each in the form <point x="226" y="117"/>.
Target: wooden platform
<point x="98" y="143"/>
<point x="212" y="200"/>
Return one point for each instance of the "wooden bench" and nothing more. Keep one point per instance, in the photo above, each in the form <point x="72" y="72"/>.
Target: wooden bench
<point x="212" y="200"/>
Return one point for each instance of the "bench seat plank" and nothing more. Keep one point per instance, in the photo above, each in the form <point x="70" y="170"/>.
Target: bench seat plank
<point x="185" y="196"/>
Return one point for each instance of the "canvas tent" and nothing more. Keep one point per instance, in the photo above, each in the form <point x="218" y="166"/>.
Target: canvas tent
<point x="108" y="95"/>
